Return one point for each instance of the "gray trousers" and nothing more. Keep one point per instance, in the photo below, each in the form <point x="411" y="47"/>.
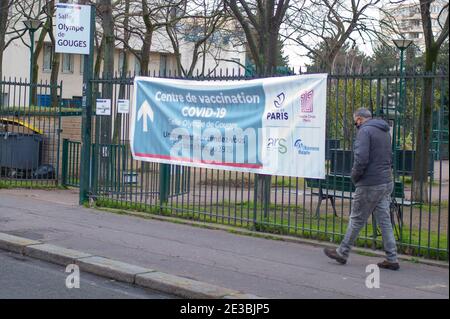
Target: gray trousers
<point x="368" y="200"/>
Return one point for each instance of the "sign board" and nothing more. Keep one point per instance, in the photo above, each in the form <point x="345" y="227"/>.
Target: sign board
<point x="103" y="107"/>
<point x="123" y="106"/>
<point x="272" y="126"/>
<point x="72" y="28"/>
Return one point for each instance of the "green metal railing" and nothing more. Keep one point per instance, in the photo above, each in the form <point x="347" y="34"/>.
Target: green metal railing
<point x="293" y="206"/>
<point x="71" y="151"/>
<point x="29" y="134"/>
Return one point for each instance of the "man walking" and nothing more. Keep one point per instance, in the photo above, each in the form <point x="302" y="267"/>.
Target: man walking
<point x="371" y="174"/>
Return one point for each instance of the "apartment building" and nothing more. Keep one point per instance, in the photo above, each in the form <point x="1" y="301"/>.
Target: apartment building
<point x="406" y="19"/>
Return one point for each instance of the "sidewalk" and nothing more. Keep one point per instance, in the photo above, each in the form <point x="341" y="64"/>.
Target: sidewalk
<point x="267" y="268"/>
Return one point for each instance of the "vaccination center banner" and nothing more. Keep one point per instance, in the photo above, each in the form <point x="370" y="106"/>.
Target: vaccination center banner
<point x="273" y="126"/>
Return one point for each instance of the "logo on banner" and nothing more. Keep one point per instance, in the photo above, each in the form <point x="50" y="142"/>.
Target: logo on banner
<point x="304" y="149"/>
<point x="280" y="114"/>
<point x="278" y="102"/>
<point x="278" y="144"/>
<point x="306" y="100"/>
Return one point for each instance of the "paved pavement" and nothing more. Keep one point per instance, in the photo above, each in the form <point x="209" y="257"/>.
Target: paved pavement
<point x="25" y="278"/>
<point x="268" y="268"/>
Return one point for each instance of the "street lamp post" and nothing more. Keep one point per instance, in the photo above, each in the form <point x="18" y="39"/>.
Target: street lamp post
<point x="402" y="45"/>
<point x="32" y="26"/>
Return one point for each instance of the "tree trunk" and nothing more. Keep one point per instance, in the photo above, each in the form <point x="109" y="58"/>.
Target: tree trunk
<point x="55" y="60"/>
<point x="36" y="53"/>
<point x="118" y="120"/>
<point x="145" y="52"/>
<point x="268" y="68"/>
<point x="423" y="136"/>
<point x="108" y="66"/>
<point x="54" y="79"/>
<point x="3" y="23"/>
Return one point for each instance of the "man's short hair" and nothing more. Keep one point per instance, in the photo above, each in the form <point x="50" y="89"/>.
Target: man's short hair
<point x="362" y="112"/>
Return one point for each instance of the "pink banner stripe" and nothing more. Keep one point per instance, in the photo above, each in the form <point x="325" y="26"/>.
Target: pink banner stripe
<point x="185" y="159"/>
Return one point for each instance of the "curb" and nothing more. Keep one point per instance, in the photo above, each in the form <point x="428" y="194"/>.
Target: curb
<point x="119" y="271"/>
<point x="291" y="239"/>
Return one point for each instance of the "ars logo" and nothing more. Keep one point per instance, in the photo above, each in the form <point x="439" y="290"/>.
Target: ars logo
<point x="306" y="101"/>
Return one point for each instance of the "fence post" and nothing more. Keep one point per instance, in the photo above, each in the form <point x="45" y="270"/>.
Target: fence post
<point x="86" y="125"/>
<point x="59" y="128"/>
<point x="65" y="150"/>
<point x="164" y="183"/>
<point x="255" y="201"/>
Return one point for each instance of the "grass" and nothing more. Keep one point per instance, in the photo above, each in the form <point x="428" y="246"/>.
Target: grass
<point x="434" y="207"/>
<point x="298" y="222"/>
<point x="407" y="180"/>
<point x="287" y="182"/>
<point x="38" y="110"/>
<point x="4" y="184"/>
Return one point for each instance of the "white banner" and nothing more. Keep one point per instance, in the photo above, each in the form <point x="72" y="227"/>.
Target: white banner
<point x="272" y="126"/>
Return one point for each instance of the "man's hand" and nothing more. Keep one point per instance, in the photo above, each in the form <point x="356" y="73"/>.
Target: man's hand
<point x="355" y="175"/>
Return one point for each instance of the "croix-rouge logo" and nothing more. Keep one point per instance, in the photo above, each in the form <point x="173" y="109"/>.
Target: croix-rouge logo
<point x="306" y="101"/>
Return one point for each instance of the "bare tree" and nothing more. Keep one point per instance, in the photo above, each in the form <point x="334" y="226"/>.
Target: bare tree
<point x="433" y="44"/>
<point x="200" y="30"/>
<point x="261" y="21"/>
<point x="323" y="27"/>
<point x="143" y="19"/>
<point x="5" y="6"/>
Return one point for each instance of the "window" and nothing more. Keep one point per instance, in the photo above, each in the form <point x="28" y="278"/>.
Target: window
<point x="47" y="56"/>
<point x="67" y="63"/>
<point x="435" y="9"/>
<point x="137" y="66"/>
<point x="163" y="65"/>
<point x="81" y="63"/>
<point x="120" y="66"/>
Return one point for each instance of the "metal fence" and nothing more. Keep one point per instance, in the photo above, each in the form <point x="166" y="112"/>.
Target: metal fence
<point x="29" y="134"/>
<point x="293" y="206"/>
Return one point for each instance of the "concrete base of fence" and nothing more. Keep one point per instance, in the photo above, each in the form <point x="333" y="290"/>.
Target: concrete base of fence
<point x="120" y="271"/>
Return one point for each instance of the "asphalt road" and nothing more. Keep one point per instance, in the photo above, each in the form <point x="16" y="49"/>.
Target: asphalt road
<point x="25" y="278"/>
<point x="266" y="268"/>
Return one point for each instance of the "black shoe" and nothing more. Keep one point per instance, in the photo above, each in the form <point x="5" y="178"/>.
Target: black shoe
<point x="388" y="265"/>
<point x="332" y="253"/>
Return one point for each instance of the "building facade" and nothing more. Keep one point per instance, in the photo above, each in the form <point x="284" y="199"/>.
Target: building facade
<point x="219" y="53"/>
<point x="406" y="20"/>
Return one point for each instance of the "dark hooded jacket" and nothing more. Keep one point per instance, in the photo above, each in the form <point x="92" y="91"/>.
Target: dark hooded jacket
<point x="372" y="154"/>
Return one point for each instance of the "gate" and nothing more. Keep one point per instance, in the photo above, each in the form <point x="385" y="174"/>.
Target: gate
<point x="29" y="134"/>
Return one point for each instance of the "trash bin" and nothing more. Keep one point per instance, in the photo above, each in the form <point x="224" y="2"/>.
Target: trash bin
<point x="20" y="151"/>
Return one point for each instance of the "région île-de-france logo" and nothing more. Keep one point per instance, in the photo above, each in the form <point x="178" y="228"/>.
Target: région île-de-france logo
<point x="304" y="149"/>
<point x="306" y="101"/>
